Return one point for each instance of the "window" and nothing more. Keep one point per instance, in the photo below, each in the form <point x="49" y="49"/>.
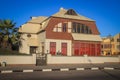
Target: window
<point x="86" y="29"/>
<point x="102" y="46"/>
<point x="118" y="40"/>
<point x="64" y="48"/>
<point x="118" y="47"/>
<point x="33" y="49"/>
<point x="80" y="28"/>
<point x="64" y="28"/>
<point x="71" y="12"/>
<point x="74" y="27"/>
<point x="52" y="48"/>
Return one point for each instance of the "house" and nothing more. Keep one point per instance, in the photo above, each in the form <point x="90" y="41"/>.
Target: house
<point x="64" y="33"/>
<point x="111" y="45"/>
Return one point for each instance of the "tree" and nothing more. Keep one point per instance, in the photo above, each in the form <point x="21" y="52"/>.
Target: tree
<point x="7" y="29"/>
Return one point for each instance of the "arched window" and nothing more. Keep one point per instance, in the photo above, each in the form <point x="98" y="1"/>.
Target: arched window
<point x="71" y="12"/>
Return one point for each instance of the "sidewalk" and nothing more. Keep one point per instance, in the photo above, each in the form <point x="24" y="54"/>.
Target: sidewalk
<point x="57" y="66"/>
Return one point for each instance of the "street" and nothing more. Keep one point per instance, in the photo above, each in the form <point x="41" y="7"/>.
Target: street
<point x="64" y="75"/>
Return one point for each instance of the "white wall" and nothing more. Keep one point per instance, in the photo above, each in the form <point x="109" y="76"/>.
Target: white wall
<point x="79" y="59"/>
<point x="24" y="48"/>
<point x="25" y="44"/>
<point x="58" y="45"/>
<point x="21" y="59"/>
<point x="41" y="39"/>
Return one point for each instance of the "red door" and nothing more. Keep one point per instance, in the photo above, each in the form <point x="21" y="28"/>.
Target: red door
<point x="98" y="50"/>
<point x="64" y="49"/>
<point x="52" y="48"/>
<point x="76" y="49"/>
<point x="87" y="49"/>
<point x="92" y="49"/>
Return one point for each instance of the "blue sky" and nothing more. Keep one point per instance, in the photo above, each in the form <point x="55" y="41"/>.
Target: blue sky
<point x="106" y="13"/>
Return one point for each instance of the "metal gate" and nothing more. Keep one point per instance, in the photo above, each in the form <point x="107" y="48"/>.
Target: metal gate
<point x="41" y="59"/>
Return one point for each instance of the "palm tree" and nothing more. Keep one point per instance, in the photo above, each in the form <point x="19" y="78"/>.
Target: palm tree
<point x="6" y="28"/>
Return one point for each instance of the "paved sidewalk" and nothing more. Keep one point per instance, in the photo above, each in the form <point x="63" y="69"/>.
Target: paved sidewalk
<point x="56" y="66"/>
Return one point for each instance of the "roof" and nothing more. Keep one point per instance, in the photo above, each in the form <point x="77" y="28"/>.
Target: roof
<point x="38" y="20"/>
<point x="35" y="25"/>
<point x="86" y="37"/>
<point x="62" y="14"/>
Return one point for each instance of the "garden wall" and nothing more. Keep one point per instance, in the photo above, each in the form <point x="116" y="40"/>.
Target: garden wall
<point x="81" y="59"/>
<point x="18" y="59"/>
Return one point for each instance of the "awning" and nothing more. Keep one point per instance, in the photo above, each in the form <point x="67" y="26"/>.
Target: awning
<point x="86" y="37"/>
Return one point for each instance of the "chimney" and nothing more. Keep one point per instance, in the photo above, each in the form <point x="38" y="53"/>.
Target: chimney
<point x="62" y="9"/>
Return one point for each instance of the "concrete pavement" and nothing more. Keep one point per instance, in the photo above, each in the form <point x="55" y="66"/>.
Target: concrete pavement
<point x="60" y="67"/>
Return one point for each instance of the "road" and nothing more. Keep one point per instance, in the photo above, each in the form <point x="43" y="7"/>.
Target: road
<point x="64" y="75"/>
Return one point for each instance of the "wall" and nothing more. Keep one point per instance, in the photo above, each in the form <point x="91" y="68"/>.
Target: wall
<point x="79" y="59"/>
<point x="58" y="45"/>
<point x="29" y="28"/>
<point x="41" y="38"/>
<point x="26" y="42"/>
<point x="18" y="59"/>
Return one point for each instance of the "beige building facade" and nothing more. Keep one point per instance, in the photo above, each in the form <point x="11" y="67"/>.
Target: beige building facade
<point x="65" y="32"/>
<point x="111" y="45"/>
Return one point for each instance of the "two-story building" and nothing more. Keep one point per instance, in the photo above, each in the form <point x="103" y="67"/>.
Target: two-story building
<point x="111" y="45"/>
<point x="64" y="33"/>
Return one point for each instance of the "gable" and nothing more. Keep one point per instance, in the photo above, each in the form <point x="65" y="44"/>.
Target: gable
<point x="70" y="14"/>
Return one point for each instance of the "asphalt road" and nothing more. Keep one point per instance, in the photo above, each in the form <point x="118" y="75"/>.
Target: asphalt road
<point x="64" y="75"/>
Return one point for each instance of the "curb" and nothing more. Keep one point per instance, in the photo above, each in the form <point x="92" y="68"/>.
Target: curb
<point x="59" y="69"/>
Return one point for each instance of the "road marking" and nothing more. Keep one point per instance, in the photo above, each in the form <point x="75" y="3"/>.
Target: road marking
<point x="60" y="69"/>
<point x="64" y="69"/>
<point x="95" y="68"/>
<point x="108" y="68"/>
<point x="80" y="69"/>
<point x="46" y="70"/>
<point x="27" y="70"/>
<point x="7" y="71"/>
